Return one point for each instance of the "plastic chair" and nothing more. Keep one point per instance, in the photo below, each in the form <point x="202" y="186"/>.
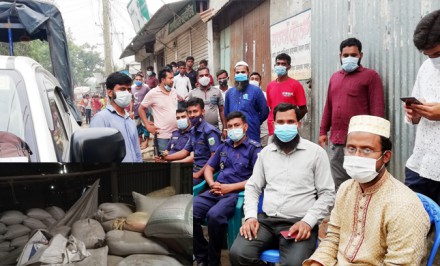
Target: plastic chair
<point x="234" y="223"/>
<point x="433" y="211"/>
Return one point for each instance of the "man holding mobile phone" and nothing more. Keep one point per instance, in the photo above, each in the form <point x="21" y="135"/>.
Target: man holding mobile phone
<point x="422" y="171"/>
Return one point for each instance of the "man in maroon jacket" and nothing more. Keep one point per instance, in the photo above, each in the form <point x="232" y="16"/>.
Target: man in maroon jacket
<point x="354" y="90"/>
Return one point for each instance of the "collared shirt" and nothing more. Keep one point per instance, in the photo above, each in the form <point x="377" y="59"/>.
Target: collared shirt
<point x="152" y="81"/>
<point x="235" y="163"/>
<point x="288" y="91"/>
<point x="182" y="84"/>
<point x="203" y="141"/>
<point x="357" y="93"/>
<point x="296" y="185"/>
<point x="178" y="140"/>
<point x="110" y="118"/>
<point x="213" y="100"/>
<point x="192" y="75"/>
<point x="138" y="95"/>
<point x="164" y="110"/>
<point x="252" y="103"/>
<point x="384" y="225"/>
<point x="426" y="153"/>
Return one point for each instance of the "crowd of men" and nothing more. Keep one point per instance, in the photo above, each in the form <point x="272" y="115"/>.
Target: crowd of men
<point x="241" y="137"/>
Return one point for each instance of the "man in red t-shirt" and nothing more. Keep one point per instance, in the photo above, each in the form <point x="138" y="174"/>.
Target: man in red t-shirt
<point x="284" y="90"/>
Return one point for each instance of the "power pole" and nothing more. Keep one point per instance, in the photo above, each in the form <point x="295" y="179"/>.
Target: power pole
<point x="107" y="43"/>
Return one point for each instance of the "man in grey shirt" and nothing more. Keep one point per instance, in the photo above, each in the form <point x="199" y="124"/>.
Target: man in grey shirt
<point x="295" y="176"/>
<point x="212" y="97"/>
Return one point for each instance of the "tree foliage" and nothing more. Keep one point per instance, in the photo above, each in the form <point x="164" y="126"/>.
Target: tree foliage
<point x="84" y="59"/>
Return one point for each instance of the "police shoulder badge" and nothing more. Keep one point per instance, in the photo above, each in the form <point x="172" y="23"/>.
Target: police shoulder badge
<point x="211" y="141"/>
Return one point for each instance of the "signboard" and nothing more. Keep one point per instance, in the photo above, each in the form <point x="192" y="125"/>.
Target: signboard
<point x="183" y="16"/>
<point x="293" y="37"/>
<point x="138" y="11"/>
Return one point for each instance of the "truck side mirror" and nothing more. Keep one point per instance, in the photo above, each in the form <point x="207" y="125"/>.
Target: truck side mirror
<point x="97" y="145"/>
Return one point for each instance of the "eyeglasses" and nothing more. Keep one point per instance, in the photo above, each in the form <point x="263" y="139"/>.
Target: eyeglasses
<point x="352" y="151"/>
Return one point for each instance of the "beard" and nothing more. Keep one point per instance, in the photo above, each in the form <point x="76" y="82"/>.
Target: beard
<point x="241" y="85"/>
<point x="289" y="146"/>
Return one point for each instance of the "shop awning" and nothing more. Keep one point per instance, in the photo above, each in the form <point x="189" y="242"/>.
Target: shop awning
<point x="157" y="22"/>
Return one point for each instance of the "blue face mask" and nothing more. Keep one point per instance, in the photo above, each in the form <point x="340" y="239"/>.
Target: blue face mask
<point x="168" y="88"/>
<point x="350" y="64"/>
<point x="182" y="123"/>
<point x="138" y="83"/>
<point x="195" y="121"/>
<point x="241" y="77"/>
<point x="235" y="134"/>
<point x="286" y="132"/>
<point x="280" y="70"/>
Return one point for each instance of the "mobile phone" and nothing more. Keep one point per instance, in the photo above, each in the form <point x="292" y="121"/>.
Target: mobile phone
<point x="285" y="234"/>
<point x="410" y="100"/>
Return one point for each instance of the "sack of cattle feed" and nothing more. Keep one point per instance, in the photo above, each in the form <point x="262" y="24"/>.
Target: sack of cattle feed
<point x="124" y="243"/>
<point x="111" y="211"/>
<point x="90" y="232"/>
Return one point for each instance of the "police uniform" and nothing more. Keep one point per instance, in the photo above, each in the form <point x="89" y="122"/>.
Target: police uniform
<point x="235" y="165"/>
<point x="178" y="140"/>
<point x="203" y="141"/>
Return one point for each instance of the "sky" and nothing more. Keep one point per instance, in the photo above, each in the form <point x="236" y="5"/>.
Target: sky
<point x="84" y="19"/>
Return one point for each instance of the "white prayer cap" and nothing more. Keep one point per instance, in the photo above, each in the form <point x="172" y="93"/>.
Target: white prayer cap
<point x="241" y="63"/>
<point x="371" y="124"/>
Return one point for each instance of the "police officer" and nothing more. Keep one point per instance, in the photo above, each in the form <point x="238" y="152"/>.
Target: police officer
<point x="204" y="140"/>
<point x="235" y="159"/>
<point x="179" y="137"/>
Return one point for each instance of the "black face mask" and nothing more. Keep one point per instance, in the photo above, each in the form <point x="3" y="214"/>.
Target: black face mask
<point x="223" y="83"/>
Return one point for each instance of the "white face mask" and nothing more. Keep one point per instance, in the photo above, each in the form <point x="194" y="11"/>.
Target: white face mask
<point x="123" y="98"/>
<point x="254" y="82"/>
<point x="436" y="62"/>
<point x="204" y="81"/>
<point x="361" y="169"/>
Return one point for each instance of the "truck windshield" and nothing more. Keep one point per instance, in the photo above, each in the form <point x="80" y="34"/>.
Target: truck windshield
<point x="11" y="104"/>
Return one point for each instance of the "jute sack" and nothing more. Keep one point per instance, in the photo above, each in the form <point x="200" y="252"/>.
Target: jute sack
<point x="164" y="192"/>
<point x="111" y="211"/>
<point x="63" y="230"/>
<point x="172" y="224"/>
<point x="123" y="243"/>
<point x="108" y="226"/>
<point x="38" y="213"/>
<point x="49" y="221"/>
<point x="16" y="230"/>
<point x="5" y="246"/>
<point x="98" y="257"/>
<point x="135" y="222"/>
<point x="12" y="217"/>
<point x="56" y="212"/>
<point x="3" y="228"/>
<point x="90" y="232"/>
<point x="149" y="260"/>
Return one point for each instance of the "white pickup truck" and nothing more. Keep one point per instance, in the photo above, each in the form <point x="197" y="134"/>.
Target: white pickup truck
<point x="32" y="107"/>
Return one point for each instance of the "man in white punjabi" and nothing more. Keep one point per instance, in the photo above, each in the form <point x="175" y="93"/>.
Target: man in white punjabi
<point x="376" y="220"/>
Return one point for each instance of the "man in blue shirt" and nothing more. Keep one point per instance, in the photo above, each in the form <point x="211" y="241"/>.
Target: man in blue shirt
<point x="204" y="140"/>
<point x="115" y="116"/>
<point x="248" y="99"/>
<point x="235" y="160"/>
<point x="179" y="137"/>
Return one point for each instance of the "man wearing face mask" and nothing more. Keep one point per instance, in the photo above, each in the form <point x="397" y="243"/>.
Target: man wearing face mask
<point x="204" y="140"/>
<point x="222" y="79"/>
<point x="354" y="90"/>
<point x="294" y="175"/>
<point x="151" y="79"/>
<point x="422" y="171"/>
<point x="163" y="102"/>
<point x="376" y="220"/>
<point x="284" y="90"/>
<point x="116" y="117"/>
<point x="255" y="79"/>
<point x="235" y="160"/>
<point x="139" y="90"/>
<point x="212" y="98"/>
<point x="248" y="99"/>
<point x="180" y="137"/>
